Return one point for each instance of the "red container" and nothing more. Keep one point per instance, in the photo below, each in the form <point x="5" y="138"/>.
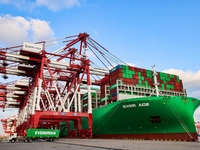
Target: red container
<point x="132" y="68"/>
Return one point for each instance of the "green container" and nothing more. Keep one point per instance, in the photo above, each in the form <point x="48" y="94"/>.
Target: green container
<point x="162" y="86"/>
<point x="139" y="74"/>
<point x="131" y="72"/>
<point x="123" y="70"/>
<point x="130" y="76"/>
<point x="63" y="129"/>
<point x="149" y="75"/>
<point x="140" y="82"/>
<point x="125" y="67"/>
<point x="124" y="75"/>
<point x="169" y="86"/>
<point x="85" y="123"/>
<point x="42" y="133"/>
<point x="163" y="78"/>
<point x="113" y="86"/>
<point x="85" y="98"/>
<point x="146" y="82"/>
<point x="171" y="76"/>
<point x="85" y="105"/>
<point x="127" y="71"/>
<point x="93" y="94"/>
<point x="103" y="99"/>
<point x="85" y="95"/>
<point x="178" y="80"/>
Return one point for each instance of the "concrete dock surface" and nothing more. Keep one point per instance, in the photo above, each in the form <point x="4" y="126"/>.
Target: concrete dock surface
<point x="101" y="144"/>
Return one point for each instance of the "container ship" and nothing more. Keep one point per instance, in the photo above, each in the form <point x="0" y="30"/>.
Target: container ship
<point x="124" y="102"/>
<point x="136" y="103"/>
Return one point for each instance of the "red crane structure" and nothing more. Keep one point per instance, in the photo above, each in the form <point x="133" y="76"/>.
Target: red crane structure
<point x="49" y="91"/>
<point x="9" y="125"/>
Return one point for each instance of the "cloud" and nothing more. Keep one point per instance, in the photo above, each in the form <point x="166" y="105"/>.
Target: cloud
<point x="54" y="5"/>
<point x="131" y="64"/>
<point x="16" y="29"/>
<point x="196" y="93"/>
<point x="197" y="114"/>
<point x="40" y="30"/>
<point x="58" y="5"/>
<point x="190" y="79"/>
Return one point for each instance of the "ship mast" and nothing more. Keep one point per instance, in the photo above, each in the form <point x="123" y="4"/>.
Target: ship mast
<point x="155" y="80"/>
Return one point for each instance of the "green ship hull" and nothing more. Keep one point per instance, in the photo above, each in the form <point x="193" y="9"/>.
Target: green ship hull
<point x="135" y="103"/>
<point x="156" y="118"/>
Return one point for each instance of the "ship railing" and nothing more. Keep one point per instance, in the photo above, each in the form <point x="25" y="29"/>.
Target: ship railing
<point x="123" y="88"/>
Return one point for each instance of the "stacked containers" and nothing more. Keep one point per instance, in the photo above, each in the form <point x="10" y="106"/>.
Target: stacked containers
<point x="113" y="92"/>
<point x="170" y="82"/>
<point x="143" y="78"/>
<point x="105" y="82"/>
<point x="85" y="101"/>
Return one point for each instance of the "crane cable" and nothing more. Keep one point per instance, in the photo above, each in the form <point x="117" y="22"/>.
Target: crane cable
<point x="180" y="120"/>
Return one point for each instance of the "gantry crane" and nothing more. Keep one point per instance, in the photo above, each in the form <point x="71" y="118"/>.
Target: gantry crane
<point x="49" y="91"/>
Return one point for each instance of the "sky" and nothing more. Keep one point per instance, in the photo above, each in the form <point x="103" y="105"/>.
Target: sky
<point x="140" y="32"/>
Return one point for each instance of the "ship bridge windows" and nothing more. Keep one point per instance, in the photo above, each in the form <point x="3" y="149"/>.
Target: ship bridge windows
<point x="155" y="119"/>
